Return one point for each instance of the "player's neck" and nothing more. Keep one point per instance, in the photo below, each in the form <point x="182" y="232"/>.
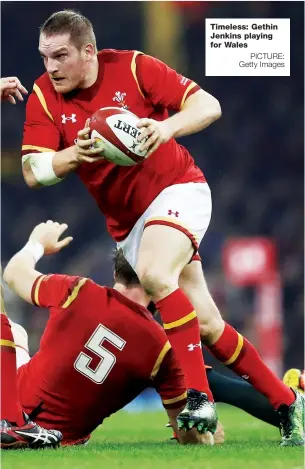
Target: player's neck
<point x="135" y="294"/>
<point x="92" y="74"/>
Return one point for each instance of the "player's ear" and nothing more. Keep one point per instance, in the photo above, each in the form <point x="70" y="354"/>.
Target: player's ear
<point x="89" y="51"/>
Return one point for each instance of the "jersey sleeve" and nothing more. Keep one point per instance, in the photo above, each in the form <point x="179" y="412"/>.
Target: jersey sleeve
<point x="163" y="85"/>
<point x="40" y="133"/>
<point x="169" y="380"/>
<point x="56" y="290"/>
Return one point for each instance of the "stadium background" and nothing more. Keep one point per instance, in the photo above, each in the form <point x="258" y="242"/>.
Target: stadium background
<point x="252" y="157"/>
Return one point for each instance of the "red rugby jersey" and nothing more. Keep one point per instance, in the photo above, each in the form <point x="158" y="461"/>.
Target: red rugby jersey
<point x="148" y="88"/>
<point x="99" y="351"/>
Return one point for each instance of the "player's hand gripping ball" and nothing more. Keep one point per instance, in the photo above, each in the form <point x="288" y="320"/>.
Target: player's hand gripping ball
<point x="115" y="132"/>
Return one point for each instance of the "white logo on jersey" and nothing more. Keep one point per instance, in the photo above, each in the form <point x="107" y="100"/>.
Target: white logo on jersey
<point x="119" y="97"/>
<point x="183" y="81"/>
<point x="191" y="347"/>
<point x="65" y="119"/>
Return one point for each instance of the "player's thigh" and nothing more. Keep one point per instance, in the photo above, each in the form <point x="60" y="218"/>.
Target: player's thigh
<point x="164" y="251"/>
<point x="175" y="224"/>
<point x="186" y="208"/>
<point x="194" y="285"/>
<point x="167" y="235"/>
<point x="21" y="342"/>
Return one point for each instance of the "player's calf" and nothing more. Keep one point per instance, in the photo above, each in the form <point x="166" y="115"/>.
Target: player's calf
<point x="182" y="327"/>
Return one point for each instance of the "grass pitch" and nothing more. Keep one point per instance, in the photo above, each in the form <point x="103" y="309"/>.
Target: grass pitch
<point x="140" y="441"/>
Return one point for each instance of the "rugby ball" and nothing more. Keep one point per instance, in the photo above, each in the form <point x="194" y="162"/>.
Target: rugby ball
<point x="115" y="130"/>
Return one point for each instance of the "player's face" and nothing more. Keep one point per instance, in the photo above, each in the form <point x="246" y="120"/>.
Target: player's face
<point x="66" y="65"/>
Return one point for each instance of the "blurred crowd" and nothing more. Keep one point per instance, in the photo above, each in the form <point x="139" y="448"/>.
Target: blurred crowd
<point x="252" y="158"/>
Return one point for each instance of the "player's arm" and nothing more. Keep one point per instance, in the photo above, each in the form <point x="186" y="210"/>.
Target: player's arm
<point x="43" y="161"/>
<point x="48" y="168"/>
<point x="198" y="111"/>
<point x="20" y="273"/>
<point x="169" y="382"/>
<point x="195" y="108"/>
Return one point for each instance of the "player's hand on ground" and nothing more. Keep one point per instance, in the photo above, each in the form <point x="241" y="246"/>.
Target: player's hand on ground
<point x="219" y="435"/>
<point x="12" y="88"/>
<point x="48" y="234"/>
<point x="153" y="133"/>
<point x="85" y="152"/>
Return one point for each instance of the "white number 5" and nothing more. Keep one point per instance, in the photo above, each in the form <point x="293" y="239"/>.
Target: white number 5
<point x="82" y="363"/>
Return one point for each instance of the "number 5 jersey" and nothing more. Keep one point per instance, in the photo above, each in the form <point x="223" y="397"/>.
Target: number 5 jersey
<point x="99" y="350"/>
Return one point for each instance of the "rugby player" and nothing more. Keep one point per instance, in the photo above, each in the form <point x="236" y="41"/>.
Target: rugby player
<point x="12" y="415"/>
<point x="157" y="212"/>
<point x="238" y="393"/>
<point x="101" y="347"/>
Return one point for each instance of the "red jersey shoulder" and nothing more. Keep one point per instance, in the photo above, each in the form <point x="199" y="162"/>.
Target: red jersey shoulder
<point x="57" y="290"/>
<point x="138" y="314"/>
<point x="45" y="85"/>
<point x="48" y="98"/>
<point x="115" y="55"/>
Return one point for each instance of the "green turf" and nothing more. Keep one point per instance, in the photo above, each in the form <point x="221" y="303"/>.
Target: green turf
<point x="140" y="441"/>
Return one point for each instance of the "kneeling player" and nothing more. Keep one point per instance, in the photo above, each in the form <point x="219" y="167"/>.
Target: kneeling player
<point x="95" y="335"/>
<point x="13" y="420"/>
<point x="17" y="430"/>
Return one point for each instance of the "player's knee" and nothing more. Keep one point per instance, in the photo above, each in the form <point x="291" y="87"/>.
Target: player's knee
<point x="20" y="335"/>
<point x="211" y="328"/>
<point x="155" y="284"/>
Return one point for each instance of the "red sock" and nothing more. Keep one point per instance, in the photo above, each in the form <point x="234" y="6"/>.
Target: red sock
<point x="182" y="328"/>
<point x="236" y="352"/>
<point x="10" y="407"/>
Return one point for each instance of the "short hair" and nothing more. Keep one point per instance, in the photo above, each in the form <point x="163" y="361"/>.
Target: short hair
<point x="123" y="272"/>
<point x="70" y="22"/>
